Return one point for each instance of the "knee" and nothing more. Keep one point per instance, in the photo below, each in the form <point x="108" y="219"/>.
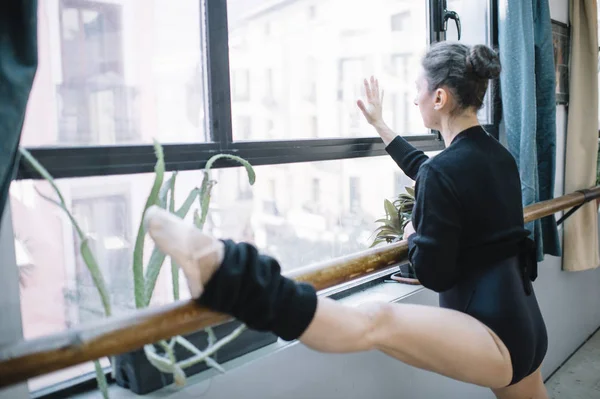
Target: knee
<point x="378" y="315"/>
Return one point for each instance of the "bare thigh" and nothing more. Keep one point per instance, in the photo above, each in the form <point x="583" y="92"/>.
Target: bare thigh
<point x="444" y="341"/>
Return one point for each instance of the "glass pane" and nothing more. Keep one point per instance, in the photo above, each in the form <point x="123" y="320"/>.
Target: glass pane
<point x="300" y="213"/>
<point x="115" y="74"/>
<point x="475" y="29"/>
<point x="298" y="66"/>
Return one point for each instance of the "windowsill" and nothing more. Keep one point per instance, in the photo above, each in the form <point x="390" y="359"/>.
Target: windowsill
<point x="385" y="291"/>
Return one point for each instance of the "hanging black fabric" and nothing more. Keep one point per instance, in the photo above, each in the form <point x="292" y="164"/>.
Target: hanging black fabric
<point x="18" y="63"/>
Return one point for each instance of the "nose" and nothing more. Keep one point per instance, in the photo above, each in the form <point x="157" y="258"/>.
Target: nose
<point x="415" y="101"/>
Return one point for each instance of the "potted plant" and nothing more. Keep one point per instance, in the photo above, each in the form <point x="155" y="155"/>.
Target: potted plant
<point x="397" y="215"/>
<point x="155" y="366"/>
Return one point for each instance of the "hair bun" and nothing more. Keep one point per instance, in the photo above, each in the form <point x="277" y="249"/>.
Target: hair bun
<point x="484" y="62"/>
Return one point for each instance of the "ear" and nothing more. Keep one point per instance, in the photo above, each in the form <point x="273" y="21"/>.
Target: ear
<point x="440" y="99"/>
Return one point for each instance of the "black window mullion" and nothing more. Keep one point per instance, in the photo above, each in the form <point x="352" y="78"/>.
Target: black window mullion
<point x="108" y="160"/>
<point x="495" y="86"/>
<point x="436" y="12"/>
<point x="219" y="86"/>
<point x="436" y="33"/>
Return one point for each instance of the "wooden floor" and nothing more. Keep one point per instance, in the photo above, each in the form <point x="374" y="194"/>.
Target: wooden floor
<point x="579" y="377"/>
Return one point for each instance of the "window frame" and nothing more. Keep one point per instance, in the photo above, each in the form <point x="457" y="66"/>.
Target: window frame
<point x="83" y="161"/>
<point x="87" y="161"/>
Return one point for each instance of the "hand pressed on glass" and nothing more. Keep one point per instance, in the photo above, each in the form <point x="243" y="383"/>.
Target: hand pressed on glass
<point x="372" y="110"/>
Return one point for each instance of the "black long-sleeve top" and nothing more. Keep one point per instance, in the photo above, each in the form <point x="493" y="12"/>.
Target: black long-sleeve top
<point x="468" y="210"/>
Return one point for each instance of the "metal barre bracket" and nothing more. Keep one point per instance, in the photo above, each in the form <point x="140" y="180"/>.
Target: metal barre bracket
<point x="586" y="198"/>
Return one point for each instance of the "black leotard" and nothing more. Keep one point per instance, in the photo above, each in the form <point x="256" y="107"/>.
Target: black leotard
<point x="470" y="243"/>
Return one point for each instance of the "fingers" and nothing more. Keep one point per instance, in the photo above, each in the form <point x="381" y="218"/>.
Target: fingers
<point x="362" y="107"/>
<point x="372" y="89"/>
<point x="368" y="90"/>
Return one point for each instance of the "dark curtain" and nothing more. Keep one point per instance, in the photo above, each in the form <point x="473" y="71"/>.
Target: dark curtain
<point x="18" y="63"/>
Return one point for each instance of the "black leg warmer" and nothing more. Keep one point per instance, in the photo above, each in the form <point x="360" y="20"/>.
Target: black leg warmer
<point x="250" y="287"/>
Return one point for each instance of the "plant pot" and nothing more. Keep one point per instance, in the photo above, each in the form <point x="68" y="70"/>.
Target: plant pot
<point x="406" y="275"/>
<point x="134" y="371"/>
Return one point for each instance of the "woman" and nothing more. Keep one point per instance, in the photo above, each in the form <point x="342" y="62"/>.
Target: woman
<point x="468" y="243"/>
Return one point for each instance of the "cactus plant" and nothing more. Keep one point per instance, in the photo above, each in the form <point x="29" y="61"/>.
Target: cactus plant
<point x="162" y="194"/>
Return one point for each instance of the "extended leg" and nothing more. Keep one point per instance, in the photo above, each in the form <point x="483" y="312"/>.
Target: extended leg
<point x="440" y="340"/>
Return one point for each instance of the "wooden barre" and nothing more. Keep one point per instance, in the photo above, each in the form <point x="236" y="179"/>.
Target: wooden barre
<point x="112" y="336"/>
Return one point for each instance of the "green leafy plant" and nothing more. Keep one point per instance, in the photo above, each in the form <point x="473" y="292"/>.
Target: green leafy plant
<point x="162" y="194"/>
<point x="397" y="215"/>
<point x="167" y="362"/>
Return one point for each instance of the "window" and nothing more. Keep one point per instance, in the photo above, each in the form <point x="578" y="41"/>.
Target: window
<point x="104" y="221"/>
<point x="94" y="104"/>
<point x="400" y="22"/>
<point x="311" y="79"/>
<point x="243" y="126"/>
<point x="116" y="74"/>
<point x="23" y="259"/>
<point x="352" y="71"/>
<point x="475" y="21"/>
<point x="343" y="48"/>
<point x="354" y="193"/>
<point x="287" y="105"/>
<point x="313" y="201"/>
<point x="270" y="199"/>
<point x="316" y="190"/>
<point x="244" y="189"/>
<point x="312" y="12"/>
<point x="269" y="96"/>
<point x="314" y="126"/>
<point x="404" y="118"/>
<point x="401" y="181"/>
<point x="240" y="85"/>
<point x="270" y="128"/>
<point x="475" y="17"/>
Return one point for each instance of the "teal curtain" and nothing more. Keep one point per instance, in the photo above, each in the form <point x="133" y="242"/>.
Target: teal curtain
<point x="529" y="106"/>
<point x="18" y="63"/>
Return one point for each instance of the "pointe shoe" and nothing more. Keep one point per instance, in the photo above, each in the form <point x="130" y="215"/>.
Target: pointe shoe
<point x="199" y="255"/>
